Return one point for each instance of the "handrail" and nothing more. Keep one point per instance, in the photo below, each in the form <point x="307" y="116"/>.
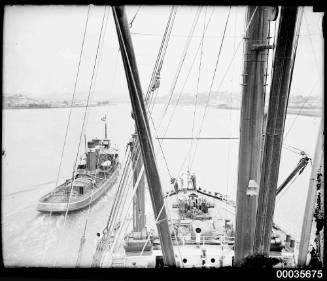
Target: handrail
<point x="190" y="238"/>
<point x="199" y="190"/>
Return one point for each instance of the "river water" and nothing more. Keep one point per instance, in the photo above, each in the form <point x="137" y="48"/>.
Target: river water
<point x="33" y="140"/>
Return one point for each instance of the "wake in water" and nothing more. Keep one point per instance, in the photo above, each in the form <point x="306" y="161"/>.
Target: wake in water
<point x="31" y="238"/>
<point x="32" y="187"/>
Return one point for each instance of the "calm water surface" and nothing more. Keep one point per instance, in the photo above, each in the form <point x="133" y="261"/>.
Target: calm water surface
<point x="33" y="140"/>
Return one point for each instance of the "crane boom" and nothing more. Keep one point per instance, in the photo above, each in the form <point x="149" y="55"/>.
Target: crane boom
<point x="298" y="169"/>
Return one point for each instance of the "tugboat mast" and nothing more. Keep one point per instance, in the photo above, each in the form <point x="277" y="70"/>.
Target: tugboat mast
<point x="144" y="135"/>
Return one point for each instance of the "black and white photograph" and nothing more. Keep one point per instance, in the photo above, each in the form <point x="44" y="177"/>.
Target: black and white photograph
<point x="163" y="136"/>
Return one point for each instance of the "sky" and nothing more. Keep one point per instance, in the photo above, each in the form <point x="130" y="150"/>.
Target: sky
<point x="42" y="45"/>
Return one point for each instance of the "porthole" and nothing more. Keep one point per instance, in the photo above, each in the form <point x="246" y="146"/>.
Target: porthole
<point x="184" y="260"/>
<point x="213" y="260"/>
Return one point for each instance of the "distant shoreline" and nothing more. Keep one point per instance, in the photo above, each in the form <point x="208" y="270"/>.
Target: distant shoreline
<point x="59" y="106"/>
<point x="293" y="110"/>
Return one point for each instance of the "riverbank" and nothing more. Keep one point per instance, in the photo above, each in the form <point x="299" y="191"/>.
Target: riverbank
<point x="313" y="112"/>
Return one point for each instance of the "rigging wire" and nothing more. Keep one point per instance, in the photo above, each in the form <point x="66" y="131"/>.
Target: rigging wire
<point x="117" y="206"/>
<point x="84" y="119"/>
<point x="239" y="44"/>
<point x="149" y="235"/>
<point x="314" y="85"/>
<point x="174" y="109"/>
<point x="152" y="121"/>
<point x="165" y="44"/>
<point x="301" y="109"/>
<point x="182" y="35"/>
<point x="157" y="68"/>
<point x="295" y="44"/>
<point x="121" y="218"/>
<point x="159" y="62"/>
<point x="156" y="132"/>
<point x="295" y="149"/>
<point x="159" y="144"/>
<point x="111" y="222"/>
<point x="234" y="54"/>
<point x="311" y="43"/>
<point x="80" y="251"/>
<point x="196" y="97"/>
<point x="230" y="118"/>
<point x="161" y="56"/>
<point x="212" y="81"/>
<point x="169" y="219"/>
<point x="127" y="169"/>
<point x="288" y="147"/>
<point x="197" y="86"/>
<point x="136" y="151"/>
<point x="138" y="154"/>
<point x="272" y="59"/>
<point x="122" y="187"/>
<point x="131" y="22"/>
<point x="184" y="84"/>
<point x="69" y="116"/>
<point x="94" y="84"/>
<point x="180" y="65"/>
<point x="154" y="72"/>
<point x="97" y="67"/>
<point x="152" y="231"/>
<point x="74" y="92"/>
<point x="118" y="234"/>
<point x="113" y="81"/>
<point x="123" y="203"/>
<point x="267" y="66"/>
<point x="293" y="55"/>
<point x="124" y="190"/>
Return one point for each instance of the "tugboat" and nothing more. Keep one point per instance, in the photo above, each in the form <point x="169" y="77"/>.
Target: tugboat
<point x="96" y="173"/>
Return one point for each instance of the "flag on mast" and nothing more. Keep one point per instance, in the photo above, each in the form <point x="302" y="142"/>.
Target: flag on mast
<point x="104" y="118"/>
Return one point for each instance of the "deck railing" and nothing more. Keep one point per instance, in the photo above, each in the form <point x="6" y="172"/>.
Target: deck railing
<point x="204" y="240"/>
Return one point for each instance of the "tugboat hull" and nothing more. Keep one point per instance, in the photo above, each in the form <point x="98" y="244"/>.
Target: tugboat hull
<point x="79" y="203"/>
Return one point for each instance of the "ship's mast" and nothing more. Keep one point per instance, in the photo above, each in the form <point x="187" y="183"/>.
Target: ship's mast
<point x="144" y="135"/>
<point x="280" y="87"/>
<point x="251" y="125"/>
